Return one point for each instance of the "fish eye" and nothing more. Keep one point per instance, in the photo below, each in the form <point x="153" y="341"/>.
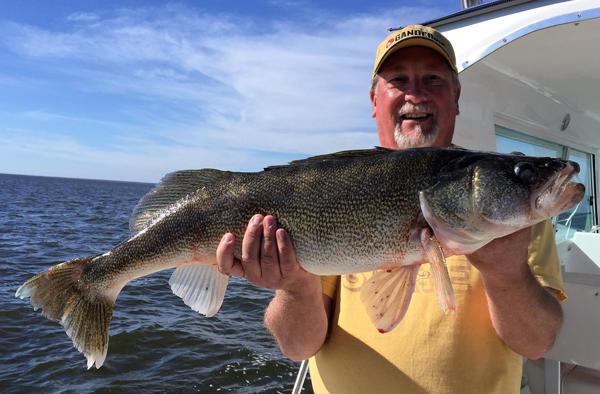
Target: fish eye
<point x="525" y="172"/>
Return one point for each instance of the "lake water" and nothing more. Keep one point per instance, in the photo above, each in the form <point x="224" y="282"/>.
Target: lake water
<point x="157" y="343"/>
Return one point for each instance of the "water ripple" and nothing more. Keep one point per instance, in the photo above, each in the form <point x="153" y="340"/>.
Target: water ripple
<point x="157" y="344"/>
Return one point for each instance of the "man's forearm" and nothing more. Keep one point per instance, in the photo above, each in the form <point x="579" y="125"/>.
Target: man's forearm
<point x="298" y="320"/>
<point x="524" y="314"/>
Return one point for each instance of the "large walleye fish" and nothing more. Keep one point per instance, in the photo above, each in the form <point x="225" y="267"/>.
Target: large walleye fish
<point x="346" y="212"/>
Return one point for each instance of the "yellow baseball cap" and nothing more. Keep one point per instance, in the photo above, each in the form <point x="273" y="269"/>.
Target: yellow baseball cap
<point x="414" y="35"/>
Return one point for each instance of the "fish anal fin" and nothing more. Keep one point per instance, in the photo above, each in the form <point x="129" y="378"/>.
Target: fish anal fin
<point x="387" y="294"/>
<point x="202" y="287"/>
<point x="439" y="270"/>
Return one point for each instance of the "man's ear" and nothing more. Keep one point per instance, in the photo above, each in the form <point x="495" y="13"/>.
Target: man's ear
<point x="457" y="95"/>
<point x="373" y="103"/>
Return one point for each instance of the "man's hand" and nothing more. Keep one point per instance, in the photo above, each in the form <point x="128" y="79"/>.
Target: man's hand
<point x="525" y="315"/>
<point x="504" y="259"/>
<point x="268" y="258"/>
<point x="298" y="314"/>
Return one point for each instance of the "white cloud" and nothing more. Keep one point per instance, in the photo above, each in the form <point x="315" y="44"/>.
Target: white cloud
<point x="225" y="83"/>
<point x="83" y="17"/>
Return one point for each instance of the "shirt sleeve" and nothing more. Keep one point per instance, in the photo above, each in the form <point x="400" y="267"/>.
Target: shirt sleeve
<point x="329" y="285"/>
<point x="543" y="258"/>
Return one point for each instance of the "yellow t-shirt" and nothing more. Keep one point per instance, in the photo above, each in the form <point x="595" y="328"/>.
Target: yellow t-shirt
<point x="428" y="352"/>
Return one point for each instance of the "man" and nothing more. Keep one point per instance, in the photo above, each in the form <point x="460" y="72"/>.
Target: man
<point x="504" y="309"/>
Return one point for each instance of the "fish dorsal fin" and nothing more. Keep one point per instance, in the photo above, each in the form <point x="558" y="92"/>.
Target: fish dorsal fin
<point x="342" y="155"/>
<point x="172" y="188"/>
<point x="387" y="294"/>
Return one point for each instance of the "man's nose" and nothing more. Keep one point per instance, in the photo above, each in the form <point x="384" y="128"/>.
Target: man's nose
<point x="414" y="93"/>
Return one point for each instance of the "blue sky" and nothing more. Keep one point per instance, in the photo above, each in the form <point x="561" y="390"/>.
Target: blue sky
<point x="132" y="90"/>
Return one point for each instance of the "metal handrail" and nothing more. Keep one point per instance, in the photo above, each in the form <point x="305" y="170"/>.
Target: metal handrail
<point x="569" y="221"/>
<point x="300" y="377"/>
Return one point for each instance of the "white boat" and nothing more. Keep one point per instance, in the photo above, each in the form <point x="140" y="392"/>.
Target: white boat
<point x="530" y="72"/>
<point x="530" y="75"/>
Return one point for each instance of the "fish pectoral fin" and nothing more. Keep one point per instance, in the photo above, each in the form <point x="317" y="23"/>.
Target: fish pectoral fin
<point x="386" y="296"/>
<point x="202" y="287"/>
<point x="439" y="271"/>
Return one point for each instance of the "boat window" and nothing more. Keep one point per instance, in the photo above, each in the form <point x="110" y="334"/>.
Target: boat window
<point x="579" y="218"/>
<point x="511" y="141"/>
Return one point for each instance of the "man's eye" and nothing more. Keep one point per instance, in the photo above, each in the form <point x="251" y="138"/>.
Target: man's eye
<point x="399" y="80"/>
<point x="434" y="79"/>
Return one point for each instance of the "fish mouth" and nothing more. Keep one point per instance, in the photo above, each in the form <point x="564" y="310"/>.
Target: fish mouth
<point x="559" y="193"/>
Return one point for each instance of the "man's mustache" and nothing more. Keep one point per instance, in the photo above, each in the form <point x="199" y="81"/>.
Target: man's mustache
<point x="410" y="108"/>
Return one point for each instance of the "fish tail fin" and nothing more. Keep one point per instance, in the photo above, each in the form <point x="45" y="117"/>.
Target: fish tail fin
<point x="439" y="271"/>
<point x="83" y="311"/>
<point x="202" y="287"/>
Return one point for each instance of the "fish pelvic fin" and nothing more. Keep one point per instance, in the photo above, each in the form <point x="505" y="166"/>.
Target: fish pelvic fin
<point x="202" y="287"/>
<point x="83" y="311"/>
<point x="439" y="271"/>
<point x="387" y="294"/>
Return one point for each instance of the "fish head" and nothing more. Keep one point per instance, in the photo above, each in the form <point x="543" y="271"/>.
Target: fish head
<point x="482" y="196"/>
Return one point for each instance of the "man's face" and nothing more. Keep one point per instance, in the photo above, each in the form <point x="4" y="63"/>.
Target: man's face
<point x="415" y="100"/>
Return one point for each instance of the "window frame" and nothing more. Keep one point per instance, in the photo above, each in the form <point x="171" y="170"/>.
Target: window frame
<point x="564" y="150"/>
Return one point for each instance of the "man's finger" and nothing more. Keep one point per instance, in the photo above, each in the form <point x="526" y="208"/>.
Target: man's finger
<point x="251" y="248"/>
<point x="287" y="256"/>
<point x="226" y="263"/>
<point x="269" y="260"/>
